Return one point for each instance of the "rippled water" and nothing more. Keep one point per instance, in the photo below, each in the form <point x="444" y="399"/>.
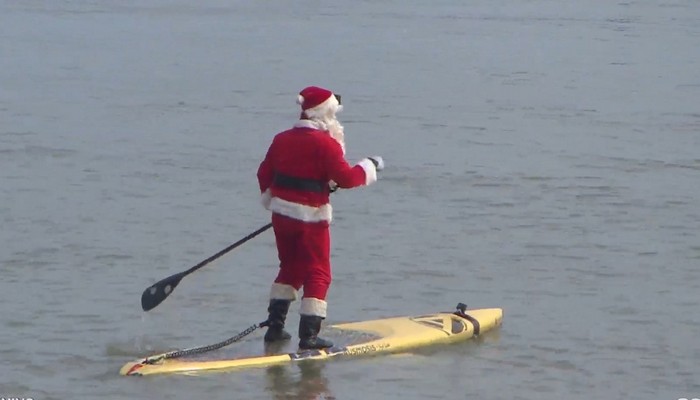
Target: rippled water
<point x="543" y="157"/>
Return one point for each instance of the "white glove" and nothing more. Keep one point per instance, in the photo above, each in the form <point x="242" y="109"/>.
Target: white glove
<point x="378" y="162"/>
<point x="332" y="186"/>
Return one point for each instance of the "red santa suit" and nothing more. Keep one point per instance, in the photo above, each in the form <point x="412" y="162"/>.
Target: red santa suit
<point x="294" y="181"/>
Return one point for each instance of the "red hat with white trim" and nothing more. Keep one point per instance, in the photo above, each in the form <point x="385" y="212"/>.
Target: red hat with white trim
<point x="317" y="102"/>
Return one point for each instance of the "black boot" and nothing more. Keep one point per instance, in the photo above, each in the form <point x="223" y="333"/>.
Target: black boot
<point x="309" y="326"/>
<point x="278" y="314"/>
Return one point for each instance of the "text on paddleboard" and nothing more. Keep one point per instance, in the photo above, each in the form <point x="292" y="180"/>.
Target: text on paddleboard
<point x="370" y="348"/>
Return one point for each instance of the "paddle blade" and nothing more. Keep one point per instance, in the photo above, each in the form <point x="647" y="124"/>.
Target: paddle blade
<point x="155" y="294"/>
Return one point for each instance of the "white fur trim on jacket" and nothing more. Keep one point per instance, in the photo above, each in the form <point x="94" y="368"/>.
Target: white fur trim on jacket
<point x="280" y="291"/>
<point x="311" y="124"/>
<point x="370" y="170"/>
<point x="265" y="199"/>
<point x="313" y="306"/>
<point x="300" y="211"/>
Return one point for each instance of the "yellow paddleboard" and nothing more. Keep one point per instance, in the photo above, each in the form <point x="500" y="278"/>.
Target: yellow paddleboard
<point x="388" y="336"/>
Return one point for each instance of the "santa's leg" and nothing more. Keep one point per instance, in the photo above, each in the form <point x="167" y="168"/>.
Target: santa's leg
<point x="316" y="246"/>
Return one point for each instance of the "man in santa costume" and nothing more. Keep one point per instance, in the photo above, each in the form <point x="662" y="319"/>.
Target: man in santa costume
<point x="301" y="168"/>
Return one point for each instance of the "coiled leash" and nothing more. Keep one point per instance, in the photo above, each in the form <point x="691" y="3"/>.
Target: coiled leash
<point x="204" y="349"/>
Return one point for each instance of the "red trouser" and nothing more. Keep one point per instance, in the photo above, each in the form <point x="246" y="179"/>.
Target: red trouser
<point x="304" y="254"/>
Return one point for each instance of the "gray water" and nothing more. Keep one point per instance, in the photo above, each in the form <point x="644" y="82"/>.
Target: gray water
<point x="542" y="156"/>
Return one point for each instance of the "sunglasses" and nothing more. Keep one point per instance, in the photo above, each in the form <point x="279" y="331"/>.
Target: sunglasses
<point x="337" y="97"/>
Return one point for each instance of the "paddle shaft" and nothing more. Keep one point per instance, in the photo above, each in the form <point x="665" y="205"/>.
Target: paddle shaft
<point x="226" y="250"/>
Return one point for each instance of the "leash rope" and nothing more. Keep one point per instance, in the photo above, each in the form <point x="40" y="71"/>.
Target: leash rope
<point x="203" y="349"/>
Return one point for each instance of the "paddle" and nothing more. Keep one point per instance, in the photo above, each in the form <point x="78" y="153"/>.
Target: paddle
<point x="158" y="292"/>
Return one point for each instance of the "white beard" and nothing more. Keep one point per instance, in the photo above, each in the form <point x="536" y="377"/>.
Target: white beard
<point x="337" y="132"/>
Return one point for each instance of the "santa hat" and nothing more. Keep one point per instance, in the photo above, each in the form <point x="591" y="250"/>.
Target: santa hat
<point x="318" y="102"/>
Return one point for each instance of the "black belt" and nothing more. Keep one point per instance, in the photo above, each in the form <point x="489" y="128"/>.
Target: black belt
<point x="307" y="185"/>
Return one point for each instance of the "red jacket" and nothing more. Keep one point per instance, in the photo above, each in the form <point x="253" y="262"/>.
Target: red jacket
<point x="306" y="156"/>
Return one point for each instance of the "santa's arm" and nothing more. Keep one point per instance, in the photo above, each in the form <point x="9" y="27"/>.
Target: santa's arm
<point x="346" y="176"/>
<point x="265" y="175"/>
